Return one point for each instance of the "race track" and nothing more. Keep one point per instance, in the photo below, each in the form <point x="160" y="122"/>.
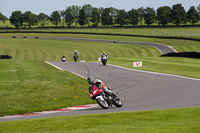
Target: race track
<point x="139" y="90"/>
<point x="162" y="48"/>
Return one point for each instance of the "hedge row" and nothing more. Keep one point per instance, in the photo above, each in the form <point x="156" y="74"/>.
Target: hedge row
<point x="102" y="27"/>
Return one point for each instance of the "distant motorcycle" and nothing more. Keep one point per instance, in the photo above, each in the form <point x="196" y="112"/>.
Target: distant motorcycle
<point x="75" y="58"/>
<point x="103" y="99"/>
<point x="104" y="60"/>
<point x="63" y="59"/>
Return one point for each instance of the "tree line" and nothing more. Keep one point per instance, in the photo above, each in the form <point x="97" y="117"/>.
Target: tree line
<point x="92" y="16"/>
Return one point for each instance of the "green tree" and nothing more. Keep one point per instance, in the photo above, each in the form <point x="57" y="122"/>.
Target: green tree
<point x="122" y="17"/>
<point x="3" y="18"/>
<point x="192" y="15"/>
<point x="88" y="12"/>
<point x="16" y="19"/>
<point x="164" y="15"/>
<point x="178" y="14"/>
<point x="141" y="14"/>
<point x="95" y="17"/>
<point x="55" y="18"/>
<point x="29" y="18"/>
<point x="82" y="17"/>
<point x="75" y="13"/>
<point x="113" y="14"/>
<point x="106" y="17"/>
<point x="133" y="17"/>
<point x="198" y="8"/>
<point x="69" y="19"/>
<point x="101" y="11"/>
<point x="43" y="19"/>
<point x="62" y="16"/>
<point x="149" y="16"/>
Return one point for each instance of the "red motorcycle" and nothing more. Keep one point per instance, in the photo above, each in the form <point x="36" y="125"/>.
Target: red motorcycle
<point x="103" y="99"/>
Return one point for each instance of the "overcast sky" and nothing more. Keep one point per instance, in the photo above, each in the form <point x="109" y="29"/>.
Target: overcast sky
<point x="48" y="6"/>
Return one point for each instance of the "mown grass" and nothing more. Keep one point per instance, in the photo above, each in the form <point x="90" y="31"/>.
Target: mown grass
<point x="185" y="120"/>
<point x="171" y="65"/>
<point x="179" y="45"/>
<point x="168" y="32"/>
<point x="27" y="84"/>
<point x="189" y="32"/>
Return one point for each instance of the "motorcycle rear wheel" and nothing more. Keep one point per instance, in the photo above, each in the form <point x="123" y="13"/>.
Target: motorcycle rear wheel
<point x="102" y="103"/>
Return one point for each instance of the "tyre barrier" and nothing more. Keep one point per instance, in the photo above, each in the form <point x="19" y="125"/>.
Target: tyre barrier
<point x="5" y="57"/>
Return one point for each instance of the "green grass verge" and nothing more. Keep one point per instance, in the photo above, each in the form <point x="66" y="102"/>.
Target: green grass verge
<point x="31" y="86"/>
<point x="27" y="84"/>
<point x="189" y="32"/>
<point x="167" y="32"/>
<point x="185" y="120"/>
<point x="171" y="65"/>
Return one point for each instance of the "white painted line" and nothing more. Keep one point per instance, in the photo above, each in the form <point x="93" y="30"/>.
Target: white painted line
<point x="63" y="69"/>
<point x="154" y="72"/>
<point x="172" y="48"/>
<point x="76" y="108"/>
<point x="134" y="70"/>
<point x="79" y="75"/>
<point x="54" y="65"/>
<point x="11" y="116"/>
<point x="48" y="112"/>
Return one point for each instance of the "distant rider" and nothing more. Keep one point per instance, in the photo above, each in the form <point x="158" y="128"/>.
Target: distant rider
<point x="76" y="53"/>
<point x="104" y="54"/>
<point x="99" y="84"/>
<point x="64" y="58"/>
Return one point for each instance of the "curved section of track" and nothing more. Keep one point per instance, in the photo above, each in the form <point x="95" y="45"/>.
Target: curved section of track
<point x="139" y="90"/>
<point x="162" y="48"/>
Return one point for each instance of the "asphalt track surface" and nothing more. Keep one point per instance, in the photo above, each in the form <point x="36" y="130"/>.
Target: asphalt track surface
<point x="139" y="90"/>
<point x="162" y="48"/>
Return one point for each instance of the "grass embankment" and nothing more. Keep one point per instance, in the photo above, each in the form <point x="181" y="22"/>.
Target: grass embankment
<point x="189" y="32"/>
<point x="166" y="32"/>
<point x="179" y="45"/>
<point x="27" y="82"/>
<point x="175" y="120"/>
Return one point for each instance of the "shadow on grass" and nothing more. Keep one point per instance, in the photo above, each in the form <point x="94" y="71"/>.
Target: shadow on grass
<point x="183" y="54"/>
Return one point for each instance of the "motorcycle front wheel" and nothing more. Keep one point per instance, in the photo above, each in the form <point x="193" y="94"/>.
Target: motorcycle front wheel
<point x="117" y="102"/>
<point x="104" y="62"/>
<point x="102" y="103"/>
<point x="75" y="59"/>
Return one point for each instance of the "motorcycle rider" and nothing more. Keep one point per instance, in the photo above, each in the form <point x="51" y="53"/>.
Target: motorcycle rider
<point x="76" y="54"/>
<point x="64" y="58"/>
<point x="99" y="84"/>
<point x="104" y="54"/>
